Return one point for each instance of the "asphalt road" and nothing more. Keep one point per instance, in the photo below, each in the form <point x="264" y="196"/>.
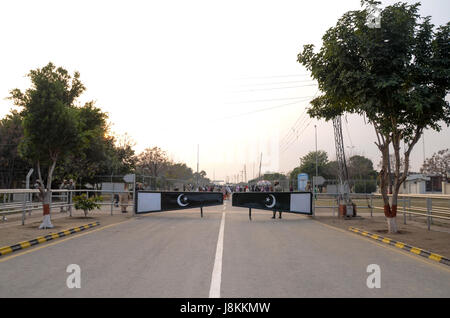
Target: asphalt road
<point x="179" y="254"/>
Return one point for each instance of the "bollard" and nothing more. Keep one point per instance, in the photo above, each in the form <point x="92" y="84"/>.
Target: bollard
<point x="404" y="211"/>
<point x="24" y="208"/>
<point x="428" y="212"/>
<point x="409" y="208"/>
<point x="371" y="205"/>
<point x="112" y="202"/>
<point x="70" y="203"/>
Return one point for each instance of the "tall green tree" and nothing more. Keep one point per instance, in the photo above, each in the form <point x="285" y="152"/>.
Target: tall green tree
<point x="152" y="161"/>
<point x="12" y="167"/>
<point x="397" y="75"/>
<point x="360" y="167"/>
<point x="308" y="164"/>
<point x="50" y="123"/>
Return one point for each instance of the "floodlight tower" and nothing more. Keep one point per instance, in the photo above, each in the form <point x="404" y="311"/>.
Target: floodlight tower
<point x="345" y="203"/>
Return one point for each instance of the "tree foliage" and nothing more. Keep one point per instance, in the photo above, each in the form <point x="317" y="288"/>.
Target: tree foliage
<point x="12" y="167"/>
<point x="397" y="76"/>
<point x="438" y="164"/>
<point x="50" y="119"/>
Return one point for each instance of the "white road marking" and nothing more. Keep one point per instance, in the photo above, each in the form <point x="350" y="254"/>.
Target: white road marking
<point x="216" y="279"/>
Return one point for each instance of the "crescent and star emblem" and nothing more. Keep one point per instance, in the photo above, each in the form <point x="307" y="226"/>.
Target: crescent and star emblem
<point x="267" y="204"/>
<point x="183" y="198"/>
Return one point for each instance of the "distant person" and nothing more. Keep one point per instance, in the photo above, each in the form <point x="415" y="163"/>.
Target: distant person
<point x="277" y="188"/>
<point x="124" y="199"/>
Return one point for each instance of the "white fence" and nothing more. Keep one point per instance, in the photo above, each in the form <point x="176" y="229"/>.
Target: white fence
<point x="15" y="201"/>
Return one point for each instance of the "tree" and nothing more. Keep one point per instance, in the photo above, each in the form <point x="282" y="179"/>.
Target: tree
<point x="93" y="151"/>
<point x="152" y="161"/>
<point x="51" y="128"/>
<point x="331" y="170"/>
<point x="396" y="75"/>
<point x="82" y="202"/>
<point x="12" y="167"/>
<point x="360" y="167"/>
<point x="438" y="164"/>
<point x="308" y="164"/>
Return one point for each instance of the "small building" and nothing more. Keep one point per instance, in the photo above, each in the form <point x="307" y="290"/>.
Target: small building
<point x="415" y="184"/>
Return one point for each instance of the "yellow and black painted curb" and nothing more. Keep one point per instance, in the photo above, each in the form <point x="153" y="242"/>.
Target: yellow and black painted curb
<point x="418" y="251"/>
<point x="42" y="239"/>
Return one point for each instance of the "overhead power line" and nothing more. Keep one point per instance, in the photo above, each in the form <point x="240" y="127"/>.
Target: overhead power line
<point x="301" y="134"/>
<point x="273" y="76"/>
<point x="296" y="134"/>
<point x="272" y="88"/>
<point x="259" y="110"/>
<point x="291" y="131"/>
<point x="275" y="83"/>
<point x="269" y="100"/>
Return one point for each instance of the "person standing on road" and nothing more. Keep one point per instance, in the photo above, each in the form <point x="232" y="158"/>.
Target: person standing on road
<point x="124" y="199"/>
<point x="277" y="188"/>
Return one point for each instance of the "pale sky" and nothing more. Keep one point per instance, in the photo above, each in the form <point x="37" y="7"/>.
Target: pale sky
<point x="177" y="74"/>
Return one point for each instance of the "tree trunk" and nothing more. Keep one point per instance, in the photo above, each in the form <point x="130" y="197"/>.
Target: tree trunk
<point x="46" y="223"/>
<point x="46" y="195"/>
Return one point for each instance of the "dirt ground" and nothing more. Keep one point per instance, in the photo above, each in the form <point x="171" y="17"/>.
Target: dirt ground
<point x="414" y="233"/>
<point x="12" y="232"/>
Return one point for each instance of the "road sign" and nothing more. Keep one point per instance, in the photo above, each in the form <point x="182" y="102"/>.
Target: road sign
<point x="319" y="180"/>
<point x="151" y="201"/>
<point x="302" y="181"/>
<point x="294" y="202"/>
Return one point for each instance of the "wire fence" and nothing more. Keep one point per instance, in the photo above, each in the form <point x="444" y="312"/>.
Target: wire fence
<point x="410" y="206"/>
<point x="115" y="193"/>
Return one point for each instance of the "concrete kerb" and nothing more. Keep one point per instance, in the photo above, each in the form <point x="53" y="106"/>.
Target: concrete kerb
<point x="415" y="250"/>
<point x="42" y="239"/>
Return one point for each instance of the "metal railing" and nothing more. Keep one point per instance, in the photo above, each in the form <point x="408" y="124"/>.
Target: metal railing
<point x="15" y="201"/>
<point x="428" y="206"/>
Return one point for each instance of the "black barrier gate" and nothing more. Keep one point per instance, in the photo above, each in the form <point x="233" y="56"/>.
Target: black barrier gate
<point x="292" y="202"/>
<point x="152" y="201"/>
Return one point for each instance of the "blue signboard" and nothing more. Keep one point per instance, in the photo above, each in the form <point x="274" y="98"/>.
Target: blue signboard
<point x="302" y="181"/>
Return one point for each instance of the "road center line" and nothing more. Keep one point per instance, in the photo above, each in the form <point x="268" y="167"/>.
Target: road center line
<point x="216" y="279"/>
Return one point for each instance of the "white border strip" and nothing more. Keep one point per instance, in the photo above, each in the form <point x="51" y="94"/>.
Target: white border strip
<point x="216" y="279"/>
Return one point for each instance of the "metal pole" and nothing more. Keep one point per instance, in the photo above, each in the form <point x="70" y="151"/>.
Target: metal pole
<point x="404" y="211"/>
<point x="27" y="182"/>
<point x="198" y="159"/>
<point x="134" y="194"/>
<point x="409" y="208"/>
<point x="431" y="210"/>
<point x="371" y="205"/>
<point x="24" y="208"/>
<point x="317" y="167"/>
<point x="70" y="201"/>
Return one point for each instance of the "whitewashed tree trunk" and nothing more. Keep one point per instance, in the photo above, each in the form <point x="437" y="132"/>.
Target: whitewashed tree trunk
<point x="392" y="225"/>
<point x="46" y="223"/>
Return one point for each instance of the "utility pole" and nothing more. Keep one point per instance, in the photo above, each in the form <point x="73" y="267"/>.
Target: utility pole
<point x="317" y="167"/>
<point x="245" y="174"/>
<point x="260" y="161"/>
<point x="423" y="142"/>
<point x="198" y="159"/>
